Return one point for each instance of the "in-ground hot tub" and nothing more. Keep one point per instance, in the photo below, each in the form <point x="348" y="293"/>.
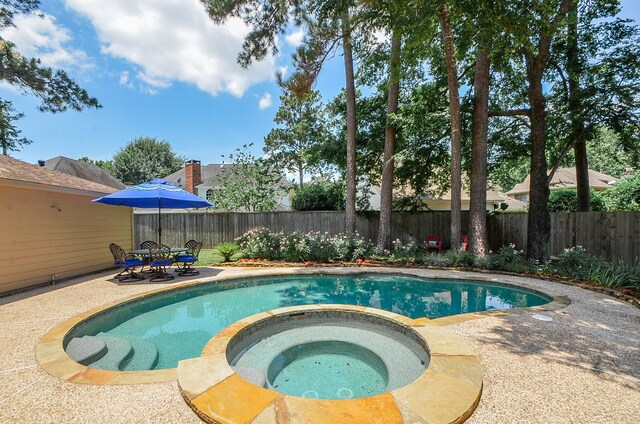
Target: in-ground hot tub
<point x="328" y="354"/>
<point x="332" y="363"/>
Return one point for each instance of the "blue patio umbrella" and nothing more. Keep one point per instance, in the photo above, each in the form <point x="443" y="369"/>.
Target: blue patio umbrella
<point x="157" y="193"/>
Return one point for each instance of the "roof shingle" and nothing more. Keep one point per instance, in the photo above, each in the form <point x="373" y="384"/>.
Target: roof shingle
<point x="17" y="170"/>
<point x="84" y="170"/>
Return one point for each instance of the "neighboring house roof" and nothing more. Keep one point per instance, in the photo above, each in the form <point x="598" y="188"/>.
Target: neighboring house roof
<point x="513" y="204"/>
<point x="15" y="170"/>
<point x="492" y="196"/>
<point x="566" y="178"/>
<point x="208" y="173"/>
<point x="84" y="170"/>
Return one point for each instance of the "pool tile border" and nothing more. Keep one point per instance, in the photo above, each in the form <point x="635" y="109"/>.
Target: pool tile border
<point x="52" y="357"/>
<point x="447" y="392"/>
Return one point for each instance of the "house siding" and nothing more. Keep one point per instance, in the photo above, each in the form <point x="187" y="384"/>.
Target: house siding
<point x="40" y="243"/>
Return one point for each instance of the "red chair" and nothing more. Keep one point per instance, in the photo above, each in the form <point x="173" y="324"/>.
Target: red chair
<point x="433" y="243"/>
<point x="464" y="243"/>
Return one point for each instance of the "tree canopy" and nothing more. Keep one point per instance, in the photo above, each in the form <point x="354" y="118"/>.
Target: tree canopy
<point x="302" y="126"/>
<point x="250" y="184"/>
<point x="144" y="159"/>
<point x="10" y="136"/>
<point x="546" y="83"/>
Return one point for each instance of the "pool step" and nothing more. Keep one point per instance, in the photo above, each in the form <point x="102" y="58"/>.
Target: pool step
<point x="87" y="349"/>
<point x="108" y="352"/>
<point x="118" y="352"/>
<point x="145" y="355"/>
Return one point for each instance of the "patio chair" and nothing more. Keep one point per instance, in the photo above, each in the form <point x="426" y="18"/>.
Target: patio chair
<point x="185" y="261"/>
<point x="432" y="242"/>
<point x="159" y="260"/>
<point x="464" y="242"/>
<point x="147" y="244"/>
<point x="128" y="262"/>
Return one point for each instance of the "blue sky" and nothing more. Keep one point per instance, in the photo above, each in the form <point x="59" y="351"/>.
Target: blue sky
<point x="161" y="69"/>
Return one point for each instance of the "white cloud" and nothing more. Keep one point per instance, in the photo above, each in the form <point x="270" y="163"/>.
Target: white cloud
<point x="39" y="36"/>
<point x="295" y="38"/>
<point x="265" y="101"/>
<point x="174" y="40"/>
<point x="125" y="79"/>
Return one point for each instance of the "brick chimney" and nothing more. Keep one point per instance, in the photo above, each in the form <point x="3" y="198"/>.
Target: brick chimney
<point x="192" y="175"/>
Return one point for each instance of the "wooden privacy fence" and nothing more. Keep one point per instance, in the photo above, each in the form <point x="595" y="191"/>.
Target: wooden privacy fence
<point x="613" y="235"/>
<point x="215" y="228"/>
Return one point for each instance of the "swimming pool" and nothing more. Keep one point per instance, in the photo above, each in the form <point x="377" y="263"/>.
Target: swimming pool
<point x="157" y="331"/>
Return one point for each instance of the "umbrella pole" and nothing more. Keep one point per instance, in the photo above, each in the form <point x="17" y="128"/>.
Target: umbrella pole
<point x="159" y="224"/>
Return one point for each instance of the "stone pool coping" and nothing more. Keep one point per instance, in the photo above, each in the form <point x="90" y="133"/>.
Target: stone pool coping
<point x="52" y="357"/>
<point x="447" y="392"/>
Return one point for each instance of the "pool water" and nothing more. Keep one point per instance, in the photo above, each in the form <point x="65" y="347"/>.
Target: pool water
<point x="180" y="322"/>
<point x="328" y="370"/>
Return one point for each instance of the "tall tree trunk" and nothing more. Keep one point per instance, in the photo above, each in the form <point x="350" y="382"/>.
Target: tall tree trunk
<point x="350" y="91"/>
<point x="539" y="224"/>
<point x="386" y="184"/>
<point x="575" y="109"/>
<point x="301" y="174"/>
<point x="456" y="133"/>
<point x="478" y="207"/>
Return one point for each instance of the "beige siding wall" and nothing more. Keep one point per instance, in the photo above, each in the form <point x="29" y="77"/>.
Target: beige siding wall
<point x="38" y="242"/>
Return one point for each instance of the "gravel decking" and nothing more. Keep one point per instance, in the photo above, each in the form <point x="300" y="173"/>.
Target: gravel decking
<point x="582" y="367"/>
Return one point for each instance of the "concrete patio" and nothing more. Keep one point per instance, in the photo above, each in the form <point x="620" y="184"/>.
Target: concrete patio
<point x="584" y="366"/>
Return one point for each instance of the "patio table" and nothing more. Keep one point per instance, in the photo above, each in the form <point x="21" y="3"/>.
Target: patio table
<point x="146" y="251"/>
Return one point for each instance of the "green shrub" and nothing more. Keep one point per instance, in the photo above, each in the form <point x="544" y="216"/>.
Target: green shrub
<point x="300" y="246"/>
<point x="318" y="196"/>
<point x="505" y="258"/>
<point x="227" y="250"/>
<point x="351" y="247"/>
<point x="461" y="258"/>
<point x="312" y="246"/>
<point x="610" y="274"/>
<point x="260" y="243"/>
<point x="435" y="259"/>
<point x="572" y="262"/>
<point x="566" y="200"/>
<point x="624" y="195"/>
<point x="406" y="251"/>
<point x="293" y="247"/>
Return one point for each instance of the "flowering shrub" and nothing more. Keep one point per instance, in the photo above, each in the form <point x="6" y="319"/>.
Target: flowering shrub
<point x="301" y="247"/>
<point x="313" y="246"/>
<point x="405" y="251"/>
<point x="573" y="259"/>
<point x="505" y="258"/>
<point x="321" y="246"/>
<point x="260" y="243"/>
<point x="351" y="247"/>
<point x="294" y="247"/>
